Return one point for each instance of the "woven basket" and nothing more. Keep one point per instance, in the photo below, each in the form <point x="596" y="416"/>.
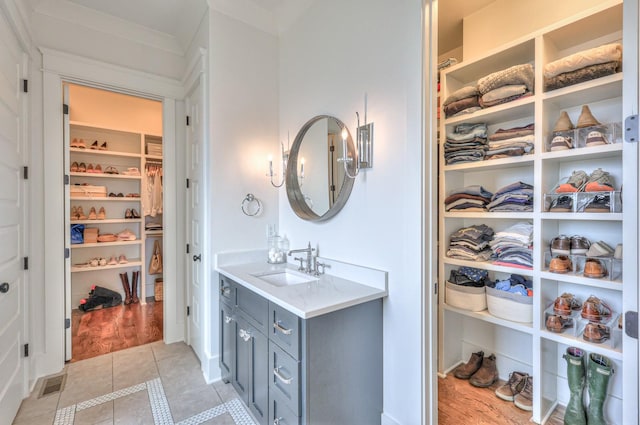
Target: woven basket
<point x="157" y="289"/>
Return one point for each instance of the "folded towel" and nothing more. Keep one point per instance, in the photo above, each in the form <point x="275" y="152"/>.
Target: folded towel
<point x="518" y="74"/>
<point x="463" y="93"/>
<point x="504" y="92"/>
<point x="602" y="54"/>
<point x="581" y="75"/>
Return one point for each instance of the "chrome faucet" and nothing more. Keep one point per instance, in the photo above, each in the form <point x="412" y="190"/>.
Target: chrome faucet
<point x="309" y="252"/>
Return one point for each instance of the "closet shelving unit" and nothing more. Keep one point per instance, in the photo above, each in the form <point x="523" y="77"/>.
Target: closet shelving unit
<point x="124" y="150"/>
<point x="151" y="235"/>
<point x="529" y="347"/>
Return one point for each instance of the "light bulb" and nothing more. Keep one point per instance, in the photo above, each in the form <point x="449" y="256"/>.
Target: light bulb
<point x="344" y="134"/>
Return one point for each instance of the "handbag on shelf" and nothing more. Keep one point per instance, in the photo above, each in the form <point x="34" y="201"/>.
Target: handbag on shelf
<point x="155" y="265"/>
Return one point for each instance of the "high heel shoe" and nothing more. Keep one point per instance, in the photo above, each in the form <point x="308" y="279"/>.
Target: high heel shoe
<point x="92" y="214"/>
<point x="74" y="213"/>
<point x="103" y="146"/>
<point x="80" y="214"/>
<point x="94" y="145"/>
<point x="134" y="213"/>
<point x="82" y="167"/>
<point x="74" y="167"/>
<point x="128" y="214"/>
<point x="102" y="214"/>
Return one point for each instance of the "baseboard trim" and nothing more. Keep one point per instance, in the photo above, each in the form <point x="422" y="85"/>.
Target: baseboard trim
<point x="387" y="420"/>
<point x="211" y="369"/>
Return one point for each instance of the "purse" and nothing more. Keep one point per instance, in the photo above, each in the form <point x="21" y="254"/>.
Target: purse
<point x="155" y="265"/>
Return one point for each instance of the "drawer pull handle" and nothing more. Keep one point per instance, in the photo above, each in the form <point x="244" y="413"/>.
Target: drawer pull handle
<point x="245" y="335"/>
<point x="277" y="326"/>
<point x="225" y="290"/>
<point x="228" y="319"/>
<point x="284" y="380"/>
<point x="276" y="421"/>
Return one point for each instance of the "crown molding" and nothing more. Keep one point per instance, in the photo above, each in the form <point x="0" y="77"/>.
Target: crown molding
<point x="16" y="16"/>
<point x="248" y="12"/>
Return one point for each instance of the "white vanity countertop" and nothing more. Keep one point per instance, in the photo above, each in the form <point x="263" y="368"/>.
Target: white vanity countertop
<point x="306" y="300"/>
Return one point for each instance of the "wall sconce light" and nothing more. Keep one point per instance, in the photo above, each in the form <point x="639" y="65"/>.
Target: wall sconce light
<point x="364" y="145"/>
<point x="284" y="155"/>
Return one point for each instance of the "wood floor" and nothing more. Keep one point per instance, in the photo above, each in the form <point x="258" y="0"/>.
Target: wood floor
<point x="460" y="403"/>
<point x="111" y="329"/>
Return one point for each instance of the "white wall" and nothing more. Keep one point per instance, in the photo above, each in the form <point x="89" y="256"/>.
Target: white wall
<point x="243" y="123"/>
<point x="335" y="52"/>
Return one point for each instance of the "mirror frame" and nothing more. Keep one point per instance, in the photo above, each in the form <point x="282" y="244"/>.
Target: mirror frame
<point x="294" y="193"/>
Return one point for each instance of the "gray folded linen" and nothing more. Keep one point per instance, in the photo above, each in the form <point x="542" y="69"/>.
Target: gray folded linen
<point x="581" y="75"/>
<point x="517" y="74"/>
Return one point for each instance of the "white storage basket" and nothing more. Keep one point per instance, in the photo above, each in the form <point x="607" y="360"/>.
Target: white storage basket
<point x="509" y="306"/>
<point x="466" y="297"/>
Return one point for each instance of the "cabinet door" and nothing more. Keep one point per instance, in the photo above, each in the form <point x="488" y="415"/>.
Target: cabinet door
<point x="258" y="397"/>
<point x="227" y="341"/>
<point x="240" y="361"/>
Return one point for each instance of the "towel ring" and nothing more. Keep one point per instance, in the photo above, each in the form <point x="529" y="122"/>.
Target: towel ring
<point x="246" y="205"/>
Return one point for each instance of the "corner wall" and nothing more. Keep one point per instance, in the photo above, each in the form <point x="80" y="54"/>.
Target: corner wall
<point x="329" y="58"/>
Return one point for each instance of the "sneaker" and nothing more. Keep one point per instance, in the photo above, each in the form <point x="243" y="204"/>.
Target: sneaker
<point x="561" y="143"/>
<point x="586" y="118"/>
<point x="574" y="183"/>
<point x="512" y="387"/>
<point x="112" y="261"/>
<point x="600" y="249"/>
<point x="465" y="371"/>
<point x="599" y="181"/>
<point x="596" y="138"/>
<point x="599" y="204"/>
<point x="524" y="399"/>
<point x="560" y="245"/>
<point x="579" y="245"/>
<point x="561" y="204"/>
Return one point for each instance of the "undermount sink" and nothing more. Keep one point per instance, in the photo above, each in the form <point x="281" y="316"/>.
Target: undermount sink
<point x="284" y="277"/>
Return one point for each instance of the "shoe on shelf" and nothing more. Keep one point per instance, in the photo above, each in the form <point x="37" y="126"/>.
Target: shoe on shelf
<point x="90" y="168"/>
<point x="617" y="254"/>
<point x="579" y="245"/>
<point x="586" y="118"/>
<point x="122" y="259"/>
<point x="466" y="370"/>
<point x="487" y="374"/>
<point x="80" y="214"/>
<point x="560" y="264"/>
<point x="82" y="167"/>
<point x="98" y="169"/>
<point x="599" y="181"/>
<point x="94" y="145"/>
<point x="524" y="399"/>
<point x="599" y="204"/>
<point x="574" y="183"/>
<point x="565" y="304"/>
<point x="94" y="262"/>
<point x="556" y="323"/>
<point x="563" y="124"/>
<point x="102" y="261"/>
<point x="92" y="214"/>
<point x="561" y="245"/>
<point x="74" y="167"/>
<point x="74" y="143"/>
<point x="78" y="143"/>
<point x="134" y="213"/>
<point x="128" y="214"/>
<point x="561" y="204"/>
<point x="595" y="310"/>
<point x="74" y="213"/>
<point x="101" y="213"/>
<point x="512" y="387"/>
<point x="596" y="138"/>
<point x="561" y="143"/>
<point x="103" y="146"/>
<point x="127" y="235"/>
<point x="594" y="268"/>
<point x="112" y="261"/>
<point x="596" y="332"/>
<point x="111" y="170"/>
<point x="600" y="249"/>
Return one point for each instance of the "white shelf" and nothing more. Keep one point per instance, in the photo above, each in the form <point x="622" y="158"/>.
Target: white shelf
<point x="485" y="316"/>
<point x="582" y="216"/>
<point x="103" y="244"/>
<point x="136" y="262"/>
<point x="491" y="215"/>
<point x="104" y="176"/>
<point x="615" y="285"/>
<point x="613" y="150"/>
<point x="485" y="265"/>
<point x="107" y="198"/>
<point x="108" y="221"/>
<point x="104" y="153"/>
<point x="608" y="87"/>
<point x="154" y="157"/>
<point x="493" y="164"/>
<point x="577" y="341"/>
<point x="520" y="108"/>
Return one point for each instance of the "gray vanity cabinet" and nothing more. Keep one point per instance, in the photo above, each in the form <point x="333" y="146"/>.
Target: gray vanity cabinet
<point x="317" y="371"/>
<point x="227" y="340"/>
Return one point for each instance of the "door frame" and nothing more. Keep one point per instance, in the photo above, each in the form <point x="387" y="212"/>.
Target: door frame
<point x="59" y="67"/>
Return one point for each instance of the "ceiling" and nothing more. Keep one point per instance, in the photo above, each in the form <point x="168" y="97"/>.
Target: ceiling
<point x="450" y="14"/>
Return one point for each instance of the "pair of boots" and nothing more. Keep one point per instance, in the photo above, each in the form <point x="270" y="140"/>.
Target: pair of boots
<point x="599" y="370"/>
<point x="130" y="292"/>
<point x="100" y="297"/>
<point x="479" y="370"/>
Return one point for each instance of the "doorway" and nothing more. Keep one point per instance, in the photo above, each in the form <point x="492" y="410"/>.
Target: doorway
<point x="113" y="150"/>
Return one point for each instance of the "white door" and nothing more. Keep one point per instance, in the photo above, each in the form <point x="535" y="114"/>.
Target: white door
<point x="12" y="213"/>
<point x="195" y="214"/>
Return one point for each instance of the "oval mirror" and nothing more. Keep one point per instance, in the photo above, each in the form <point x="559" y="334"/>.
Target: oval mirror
<point x="317" y="186"/>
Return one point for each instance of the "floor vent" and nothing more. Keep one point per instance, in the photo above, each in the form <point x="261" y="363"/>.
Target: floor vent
<point x="52" y="385"/>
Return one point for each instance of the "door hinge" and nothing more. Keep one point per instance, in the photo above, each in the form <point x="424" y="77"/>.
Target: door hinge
<point x="332" y="148"/>
<point x="187" y="248"/>
<point x="65" y="180"/>
<point x="67" y="323"/>
<point x="631" y="324"/>
<point x="187" y="183"/>
<point x="187" y="120"/>
<point x="631" y="129"/>
<point x="25" y="86"/>
<point x="25" y="263"/>
<point x="67" y="253"/>
<point x="188" y="311"/>
<point x="333" y="188"/>
<point x="435" y="288"/>
<point x="25" y="172"/>
<point x="26" y="350"/>
<point x="65" y="109"/>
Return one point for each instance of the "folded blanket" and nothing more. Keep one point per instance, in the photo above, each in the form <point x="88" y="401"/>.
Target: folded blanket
<point x="504" y="100"/>
<point x="463" y="93"/>
<point x="518" y="74"/>
<point x="457" y="196"/>
<point x="514" y="141"/>
<point x="504" y="92"/>
<point x="460" y="105"/>
<point x="581" y="75"/>
<point x="508" y="133"/>
<point x="603" y="54"/>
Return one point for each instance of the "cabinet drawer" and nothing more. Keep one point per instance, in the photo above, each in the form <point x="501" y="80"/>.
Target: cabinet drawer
<point x="227" y="289"/>
<point x="254" y="307"/>
<point x="280" y="413"/>
<point x="284" y="377"/>
<point x="284" y="330"/>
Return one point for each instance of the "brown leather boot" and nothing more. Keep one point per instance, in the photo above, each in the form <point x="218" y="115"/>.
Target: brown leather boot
<point x="464" y="371"/>
<point x="487" y="374"/>
<point x="134" y="287"/>
<point x="125" y="285"/>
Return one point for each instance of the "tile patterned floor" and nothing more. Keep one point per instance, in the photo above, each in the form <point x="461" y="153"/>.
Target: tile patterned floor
<point x="151" y="384"/>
